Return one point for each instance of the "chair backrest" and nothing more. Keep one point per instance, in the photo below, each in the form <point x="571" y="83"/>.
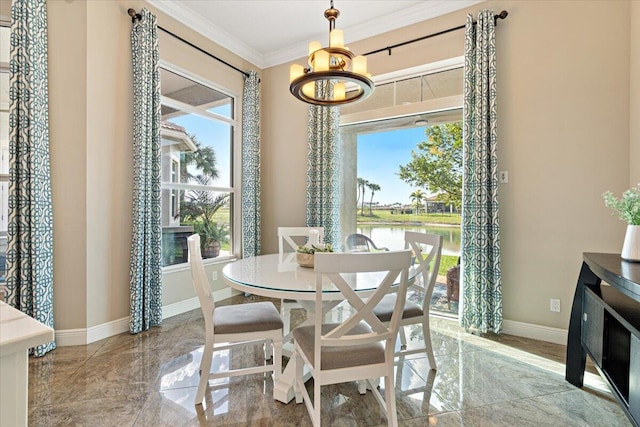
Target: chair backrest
<point x="359" y="243"/>
<point x="427" y="251"/>
<point x="200" y="282"/>
<point x="287" y="244"/>
<point x="393" y="270"/>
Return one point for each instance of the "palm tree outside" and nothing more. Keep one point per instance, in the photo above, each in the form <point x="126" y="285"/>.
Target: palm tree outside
<point x="417" y="197"/>
<point x="373" y="187"/>
<point x="198" y="207"/>
<point x="362" y="184"/>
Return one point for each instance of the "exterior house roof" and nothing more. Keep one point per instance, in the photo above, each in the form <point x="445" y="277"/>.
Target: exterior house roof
<point x="176" y="136"/>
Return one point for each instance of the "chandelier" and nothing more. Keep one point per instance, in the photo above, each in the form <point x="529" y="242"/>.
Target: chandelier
<point x="330" y="70"/>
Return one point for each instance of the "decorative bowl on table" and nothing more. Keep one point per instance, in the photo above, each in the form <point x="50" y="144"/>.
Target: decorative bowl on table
<point x="304" y="260"/>
<point x="304" y="254"/>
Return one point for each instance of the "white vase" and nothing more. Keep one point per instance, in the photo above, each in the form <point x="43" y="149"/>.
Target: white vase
<point x="631" y="247"/>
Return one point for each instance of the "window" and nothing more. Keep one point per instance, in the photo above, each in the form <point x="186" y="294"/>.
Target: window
<point x="380" y="201"/>
<point x="197" y="133"/>
<point x="4" y="145"/>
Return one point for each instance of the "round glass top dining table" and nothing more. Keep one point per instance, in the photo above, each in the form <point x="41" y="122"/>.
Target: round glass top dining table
<point x="271" y="276"/>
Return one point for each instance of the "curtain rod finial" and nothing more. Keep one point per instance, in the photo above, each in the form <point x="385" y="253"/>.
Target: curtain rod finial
<point x="503" y="14"/>
<point x="134" y="16"/>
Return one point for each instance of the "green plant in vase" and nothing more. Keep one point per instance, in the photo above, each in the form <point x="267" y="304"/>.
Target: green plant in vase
<point x="627" y="208"/>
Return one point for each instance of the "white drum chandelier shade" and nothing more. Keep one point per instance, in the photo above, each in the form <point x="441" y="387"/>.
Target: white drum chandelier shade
<point x="330" y="70"/>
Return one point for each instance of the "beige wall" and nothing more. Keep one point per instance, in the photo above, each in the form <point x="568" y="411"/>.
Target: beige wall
<point x="634" y="96"/>
<point x="68" y="136"/>
<point x="91" y="156"/>
<point x="5" y="9"/>
<point x="563" y="134"/>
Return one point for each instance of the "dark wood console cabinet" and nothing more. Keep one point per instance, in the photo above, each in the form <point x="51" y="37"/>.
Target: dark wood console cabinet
<point x="605" y="323"/>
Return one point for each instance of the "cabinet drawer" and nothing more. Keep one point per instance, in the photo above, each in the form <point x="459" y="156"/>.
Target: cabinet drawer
<point x="592" y="325"/>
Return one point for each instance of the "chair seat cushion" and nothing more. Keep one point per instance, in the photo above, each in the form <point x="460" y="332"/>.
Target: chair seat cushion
<point x="251" y="317"/>
<point x="339" y="357"/>
<point x="384" y="309"/>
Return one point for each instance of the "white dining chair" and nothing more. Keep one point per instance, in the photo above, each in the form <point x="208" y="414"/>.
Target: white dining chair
<point x="289" y="238"/>
<point x="361" y="347"/>
<point x="426" y="252"/>
<point x="234" y="325"/>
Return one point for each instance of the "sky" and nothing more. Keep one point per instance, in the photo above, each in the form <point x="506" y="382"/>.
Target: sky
<point x="380" y="155"/>
<point x="211" y="133"/>
<point x="379" y="158"/>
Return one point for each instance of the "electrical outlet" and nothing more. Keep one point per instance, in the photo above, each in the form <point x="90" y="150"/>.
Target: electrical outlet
<point x="554" y="305"/>
<point x="214" y="276"/>
<point x="503" y="177"/>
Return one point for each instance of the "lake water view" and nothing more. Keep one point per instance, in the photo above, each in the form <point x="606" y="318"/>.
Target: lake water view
<point x="392" y="236"/>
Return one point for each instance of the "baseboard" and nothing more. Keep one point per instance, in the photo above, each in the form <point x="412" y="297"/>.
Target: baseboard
<point x="70" y="337"/>
<point x="180" y="307"/>
<point x="536" y="332"/>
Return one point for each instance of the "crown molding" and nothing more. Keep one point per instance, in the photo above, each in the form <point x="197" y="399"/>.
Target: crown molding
<point x="412" y="15"/>
<point x="208" y="30"/>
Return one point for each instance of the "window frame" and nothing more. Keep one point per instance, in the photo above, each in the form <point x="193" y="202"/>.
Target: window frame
<point x="4" y="177"/>
<point x="235" y="219"/>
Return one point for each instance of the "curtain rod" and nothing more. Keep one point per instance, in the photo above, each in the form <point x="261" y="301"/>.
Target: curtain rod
<point x="136" y="16"/>
<point x="501" y="15"/>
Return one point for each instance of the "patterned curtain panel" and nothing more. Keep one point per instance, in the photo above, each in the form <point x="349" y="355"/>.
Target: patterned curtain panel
<point x="251" y="166"/>
<point x="323" y="172"/>
<point x="146" y="245"/>
<point x="482" y="288"/>
<point x="30" y="228"/>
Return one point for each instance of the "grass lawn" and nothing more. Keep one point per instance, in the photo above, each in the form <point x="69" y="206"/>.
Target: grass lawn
<point x="446" y="262"/>
<point x="386" y="217"/>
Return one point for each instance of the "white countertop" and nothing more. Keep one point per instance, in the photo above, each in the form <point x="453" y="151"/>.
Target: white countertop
<point x="19" y="332"/>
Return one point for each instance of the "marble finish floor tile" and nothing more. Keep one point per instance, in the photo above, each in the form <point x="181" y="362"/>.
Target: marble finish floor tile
<point x="150" y="379"/>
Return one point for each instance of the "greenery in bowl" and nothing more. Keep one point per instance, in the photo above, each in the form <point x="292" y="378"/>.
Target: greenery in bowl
<point x="315" y="248"/>
<point x="627" y="208"/>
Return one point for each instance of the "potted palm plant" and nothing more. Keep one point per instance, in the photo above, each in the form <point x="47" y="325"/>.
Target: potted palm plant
<point x="199" y="208"/>
<point x="212" y="237"/>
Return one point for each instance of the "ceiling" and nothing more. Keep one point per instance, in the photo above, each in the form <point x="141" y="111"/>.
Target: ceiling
<point x="268" y="33"/>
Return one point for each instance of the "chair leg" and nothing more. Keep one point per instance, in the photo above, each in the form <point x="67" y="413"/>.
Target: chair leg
<point x="426" y="334"/>
<point x="298" y="369"/>
<point x="205" y="370"/>
<point x="403" y="338"/>
<point x="268" y="349"/>
<point x="317" y="403"/>
<point x="390" y="399"/>
<point x="277" y="359"/>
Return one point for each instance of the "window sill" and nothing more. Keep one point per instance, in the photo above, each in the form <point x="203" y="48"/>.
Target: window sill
<point x="209" y="261"/>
